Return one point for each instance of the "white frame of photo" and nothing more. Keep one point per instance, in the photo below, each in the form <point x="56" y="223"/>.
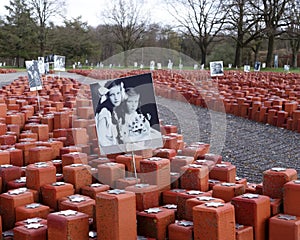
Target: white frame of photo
<point x="143" y="84"/>
<point x="34" y="79"/>
<point x="212" y="66"/>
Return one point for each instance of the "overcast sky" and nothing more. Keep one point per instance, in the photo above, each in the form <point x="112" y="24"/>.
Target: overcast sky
<point x="90" y="10"/>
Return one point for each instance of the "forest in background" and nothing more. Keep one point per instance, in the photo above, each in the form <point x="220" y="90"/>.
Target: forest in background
<point x="238" y="32"/>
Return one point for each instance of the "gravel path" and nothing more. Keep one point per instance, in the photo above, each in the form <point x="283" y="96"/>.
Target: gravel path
<point x="253" y="147"/>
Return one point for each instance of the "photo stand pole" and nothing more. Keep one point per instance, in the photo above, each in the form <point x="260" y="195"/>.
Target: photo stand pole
<point x="38" y="100"/>
<point x="130" y="148"/>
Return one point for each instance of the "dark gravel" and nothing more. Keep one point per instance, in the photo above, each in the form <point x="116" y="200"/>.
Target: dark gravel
<point x="253" y="147"/>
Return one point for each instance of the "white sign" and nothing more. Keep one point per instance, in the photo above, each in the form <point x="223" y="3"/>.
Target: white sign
<point x="216" y="68"/>
<point x="41" y="65"/>
<point x="152" y="65"/>
<point x="34" y="79"/>
<point x="170" y="64"/>
<point x="246" y="68"/>
<point x="158" y="65"/>
<point x="59" y="63"/>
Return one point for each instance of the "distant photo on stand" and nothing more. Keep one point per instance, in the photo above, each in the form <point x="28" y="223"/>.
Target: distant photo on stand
<point x="247" y="68"/>
<point x="59" y="63"/>
<point x="34" y="79"/>
<point x="257" y="66"/>
<point x="126" y="114"/>
<point x="41" y="65"/>
<point x="216" y="68"/>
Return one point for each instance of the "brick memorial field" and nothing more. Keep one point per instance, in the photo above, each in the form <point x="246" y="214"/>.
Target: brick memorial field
<point x="55" y="184"/>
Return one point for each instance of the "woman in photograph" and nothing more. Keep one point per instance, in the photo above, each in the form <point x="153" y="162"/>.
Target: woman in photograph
<point x="134" y="125"/>
<point x="107" y="124"/>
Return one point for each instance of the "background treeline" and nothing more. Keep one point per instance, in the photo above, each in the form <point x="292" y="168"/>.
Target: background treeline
<point x="236" y="31"/>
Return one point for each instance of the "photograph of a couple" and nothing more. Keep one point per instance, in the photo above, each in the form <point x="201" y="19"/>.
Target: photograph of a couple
<point x="126" y="114"/>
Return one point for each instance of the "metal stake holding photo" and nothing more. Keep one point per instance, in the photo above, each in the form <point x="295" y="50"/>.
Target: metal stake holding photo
<point x="134" y="166"/>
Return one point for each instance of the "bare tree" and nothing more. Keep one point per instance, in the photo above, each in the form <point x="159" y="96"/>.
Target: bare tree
<point x="127" y="22"/>
<point x="272" y="12"/>
<point x="44" y="11"/>
<point x="245" y="26"/>
<point x="293" y="29"/>
<point x="202" y="20"/>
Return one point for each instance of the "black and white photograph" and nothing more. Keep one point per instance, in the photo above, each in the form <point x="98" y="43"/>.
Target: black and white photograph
<point x="257" y="66"/>
<point x="59" y="63"/>
<point x="34" y="79"/>
<point x="41" y="65"/>
<point x="247" y="68"/>
<point x="126" y="114"/>
<point x="216" y="68"/>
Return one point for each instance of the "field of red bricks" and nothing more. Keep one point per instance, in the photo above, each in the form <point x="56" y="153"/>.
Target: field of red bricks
<point x="55" y="184"/>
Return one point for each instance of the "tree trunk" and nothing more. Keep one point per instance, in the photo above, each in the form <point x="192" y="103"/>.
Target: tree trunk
<point x="270" y="51"/>
<point x="295" y="59"/>
<point x="237" y="58"/>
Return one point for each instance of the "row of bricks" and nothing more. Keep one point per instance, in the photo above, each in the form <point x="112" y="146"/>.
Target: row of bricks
<point x="276" y="104"/>
<point x="212" y="218"/>
<point x="223" y="190"/>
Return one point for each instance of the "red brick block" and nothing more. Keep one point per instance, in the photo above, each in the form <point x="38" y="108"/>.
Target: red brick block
<point x="3" y="110"/>
<point x="291" y="198"/>
<point x="32" y="210"/>
<point x="116" y="215"/>
<point x="30" y="221"/>
<point x="55" y="146"/>
<point x="9" y="201"/>
<point x="253" y="210"/>
<point x="147" y="196"/>
<point x="48" y="120"/>
<point x="109" y="173"/>
<point x="42" y="131"/>
<point x="122" y="183"/>
<point x="127" y="160"/>
<point x="165" y="153"/>
<point x="167" y="129"/>
<point x="192" y="202"/>
<point x="170" y="142"/>
<point x="225" y="172"/>
<point x="183" y="197"/>
<point x="194" y="151"/>
<point x="67" y="225"/>
<point x="93" y="189"/>
<point x="74" y="158"/>
<point x="40" y="174"/>
<point x="195" y="177"/>
<point x="171" y="196"/>
<point x="276" y="206"/>
<point x="28" y="134"/>
<point x="14" y="119"/>
<point x="3" y="128"/>
<point x="180" y="161"/>
<point x="154" y="222"/>
<point x="274" y="180"/>
<point x="39" y="154"/>
<point x="243" y="232"/>
<point x="9" y="173"/>
<point x="76" y="136"/>
<point x="25" y="146"/>
<point x="227" y="191"/>
<point x="210" y="164"/>
<point x="284" y="226"/>
<point x="79" y="203"/>
<point x="7" y="139"/>
<point x="16" y="156"/>
<point x="156" y="171"/>
<point x="33" y="231"/>
<point x="17" y="183"/>
<point x="219" y="221"/>
<point x="61" y="120"/>
<point x="51" y="193"/>
<point x="181" y="230"/>
<point x="77" y="174"/>
<point x="4" y="157"/>
<point x="69" y="149"/>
